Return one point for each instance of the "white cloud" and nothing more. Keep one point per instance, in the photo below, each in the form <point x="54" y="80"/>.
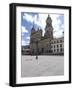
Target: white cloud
<point x="58" y="33"/>
<point x="55" y="21"/>
<point x="25" y="42"/>
<point x="58" y="27"/>
<point x="40" y="20"/>
<point x="24" y="29"/>
<point x="28" y="38"/>
<point x="62" y="26"/>
<point x="29" y="18"/>
<point x="22" y="34"/>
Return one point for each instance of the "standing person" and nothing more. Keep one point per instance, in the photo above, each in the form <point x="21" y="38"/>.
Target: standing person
<point x="37" y="51"/>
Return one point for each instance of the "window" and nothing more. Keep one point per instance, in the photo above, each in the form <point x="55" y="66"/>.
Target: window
<point x="57" y="41"/>
<point x="42" y="50"/>
<point x="54" y="41"/>
<point x="57" y="50"/>
<point x="27" y="51"/>
<point x="33" y="51"/>
<point x="61" y="49"/>
<point x="51" y="32"/>
<point x="57" y="46"/>
<point x="51" y="46"/>
<point x="60" y="40"/>
<point x="60" y="45"/>
<point x="54" y="50"/>
<point x="54" y="46"/>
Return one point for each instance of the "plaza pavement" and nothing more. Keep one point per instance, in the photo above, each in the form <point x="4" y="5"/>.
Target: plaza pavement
<point x="43" y="66"/>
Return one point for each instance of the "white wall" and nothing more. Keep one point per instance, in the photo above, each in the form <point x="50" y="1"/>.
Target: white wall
<point x="4" y="44"/>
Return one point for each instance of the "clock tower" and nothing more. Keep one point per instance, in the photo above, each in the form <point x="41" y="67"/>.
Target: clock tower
<point x="48" y="28"/>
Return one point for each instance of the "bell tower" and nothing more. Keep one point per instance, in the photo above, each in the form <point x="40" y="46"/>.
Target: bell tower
<point x="48" y="28"/>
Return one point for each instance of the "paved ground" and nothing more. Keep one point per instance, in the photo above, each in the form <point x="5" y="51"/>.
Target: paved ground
<point x="44" y="66"/>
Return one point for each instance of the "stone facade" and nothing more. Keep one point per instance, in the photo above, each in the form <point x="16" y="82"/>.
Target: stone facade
<point x="44" y="44"/>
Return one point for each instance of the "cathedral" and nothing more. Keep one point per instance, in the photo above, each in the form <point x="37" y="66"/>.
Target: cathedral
<point x="47" y="44"/>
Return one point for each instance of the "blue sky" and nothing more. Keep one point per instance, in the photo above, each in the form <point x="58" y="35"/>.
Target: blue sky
<point x="27" y="20"/>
